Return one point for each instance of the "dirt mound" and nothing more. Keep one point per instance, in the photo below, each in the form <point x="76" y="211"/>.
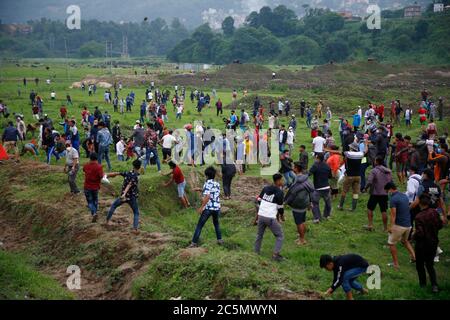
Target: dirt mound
<point x="108" y="257"/>
<point x="190" y="253"/>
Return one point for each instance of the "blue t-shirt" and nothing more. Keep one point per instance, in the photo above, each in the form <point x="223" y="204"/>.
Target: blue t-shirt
<point x="356" y="120"/>
<point x="401" y="203"/>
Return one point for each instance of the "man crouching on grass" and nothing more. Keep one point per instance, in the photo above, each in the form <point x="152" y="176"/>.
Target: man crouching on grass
<point x="346" y="269"/>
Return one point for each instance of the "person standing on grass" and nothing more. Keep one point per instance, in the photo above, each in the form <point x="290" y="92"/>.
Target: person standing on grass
<point x="93" y="174"/>
<point x="210" y="207"/>
<point x="428" y="224"/>
<point x="346" y="268"/>
<point x="299" y="199"/>
<point x="72" y="167"/>
<point x="151" y="145"/>
<point x="168" y="142"/>
<point x="219" y="107"/>
<point x="270" y="214"/>
<point x="129" y="194"/>
<point x="352" y="180"/>
<point x="303" y="158"/>
<point x="179" y="111"/>
<point x="321" y="173"/>
<point x="335" y="162"/>
<point x="378" y="178"/>
<point x="428" y="186"/>
<point x="401" y="157"/>
<point x="120" y="149"/>
<point x="286" y="168"/>
<point x="318" y="143"/>
<point x="104" y="140"/>
<point x="228" y="173"/>
<point x="178" y="178"/>
<point x="400" y="223"/>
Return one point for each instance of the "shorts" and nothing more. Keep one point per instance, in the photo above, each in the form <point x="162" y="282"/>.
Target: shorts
<point x="299" y="217"/>
<point x="167" y="153"/>
<point x="180" y="188"/>
<point x="352" y="182"/>
<point x="380" y="200"/>
<point x="398" y="233"/>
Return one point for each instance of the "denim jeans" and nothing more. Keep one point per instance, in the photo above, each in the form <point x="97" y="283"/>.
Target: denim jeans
<point x="201" y="223"/>
<point x="289" y="178"/>
<point x="316" y="196"/>
<point x="51" y="151"/>
<point x="132" y="202"/>
<point x="103" y="152"/>
<point x="92" y="200"/>
<point x="362" y="173"/>
<point x="148" y="152"/>
<point x="350" y="279"/>
<point x="120" y="157"/>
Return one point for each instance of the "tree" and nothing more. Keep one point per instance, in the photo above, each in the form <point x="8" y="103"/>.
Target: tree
<point x="91" y="49"/>
<point x="304" y="50"/>
<point x="403" y="42"/>
<point x="228" y="26"/>
<point x="421" y="30"/>
<point x="336" y="50"/>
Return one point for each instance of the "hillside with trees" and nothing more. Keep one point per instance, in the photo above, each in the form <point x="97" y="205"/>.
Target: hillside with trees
<point x="279" y="36"/>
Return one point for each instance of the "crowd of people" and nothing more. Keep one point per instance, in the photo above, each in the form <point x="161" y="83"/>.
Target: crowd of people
<point x="362" y="160"/>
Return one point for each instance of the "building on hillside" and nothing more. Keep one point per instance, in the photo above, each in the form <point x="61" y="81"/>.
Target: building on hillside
<point x="438" y="7"/>
<point x="17" y="28"/>
<point x="413" y="11"/>
<point x="346" y="14"/>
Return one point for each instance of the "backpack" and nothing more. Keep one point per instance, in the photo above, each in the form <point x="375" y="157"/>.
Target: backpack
<point x="301" y="201"/>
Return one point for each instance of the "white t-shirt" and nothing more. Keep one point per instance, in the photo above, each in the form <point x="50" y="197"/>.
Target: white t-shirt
<point x="71" y="155"/>
<point x="53" y="94"/>
<point x="180" y="109"/>
<point x="150" y="96"/>
<point x="318" y="143"/>
<point x="168" y="140"/>
<point x="290" y="137"/>
<point x="120" y="148"/>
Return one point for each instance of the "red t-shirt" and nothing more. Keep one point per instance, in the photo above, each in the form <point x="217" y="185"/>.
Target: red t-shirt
<point x="402" y="157"/>
<point x="93" y="174"/>
<point x="178" y="176"/>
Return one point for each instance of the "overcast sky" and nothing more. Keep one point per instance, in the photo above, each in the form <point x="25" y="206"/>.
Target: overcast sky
<point x="191" y="12"/>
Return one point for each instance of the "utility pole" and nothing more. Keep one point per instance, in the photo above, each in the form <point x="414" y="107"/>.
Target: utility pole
<point x="124" y="46"/>
<point x="108" y="54"/>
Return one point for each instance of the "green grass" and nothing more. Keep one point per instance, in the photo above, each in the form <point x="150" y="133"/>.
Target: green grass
<point x="21" y="281"/>
<point x="232" y="271"/>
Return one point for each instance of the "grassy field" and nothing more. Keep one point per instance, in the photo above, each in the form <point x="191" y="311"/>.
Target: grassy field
<point x="231" y="271"/>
